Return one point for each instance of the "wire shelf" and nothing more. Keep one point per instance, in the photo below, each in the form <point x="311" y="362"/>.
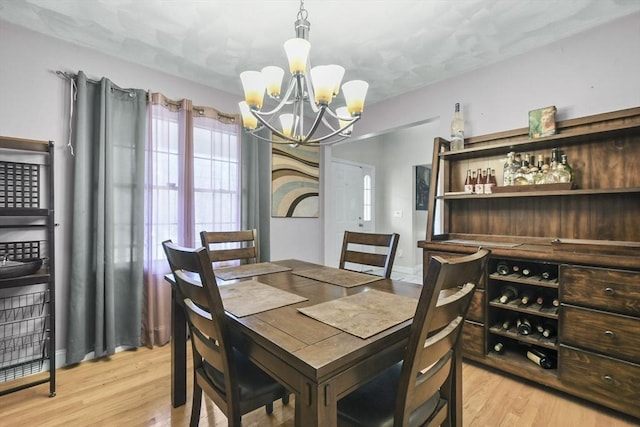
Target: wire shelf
<point x="19" y="185"/>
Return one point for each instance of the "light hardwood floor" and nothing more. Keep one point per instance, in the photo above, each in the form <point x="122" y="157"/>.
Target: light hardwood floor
<point x="132" y="389"/>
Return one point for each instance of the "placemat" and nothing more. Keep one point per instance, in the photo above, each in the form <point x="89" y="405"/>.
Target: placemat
<point x="337" y="276"/>
<point x="251" y="297"/>
<point x="249" y="270"/>
<point x="364" y="314"/>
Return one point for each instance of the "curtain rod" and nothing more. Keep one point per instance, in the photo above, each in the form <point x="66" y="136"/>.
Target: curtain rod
<point x="73" y="77"/>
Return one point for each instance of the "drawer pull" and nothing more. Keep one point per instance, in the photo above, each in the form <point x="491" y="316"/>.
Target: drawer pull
<point x="609" y="334"/>
<point x="609" y="291"/>
<point x="607" y="379"/>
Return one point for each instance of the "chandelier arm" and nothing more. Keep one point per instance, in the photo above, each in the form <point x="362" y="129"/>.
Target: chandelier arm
<point x="315" y="125"/>
<point x="274" y="130"/>
<point x="336" y="132"/>
<point x="311" y="94"/>
<point x="284" y="100"/>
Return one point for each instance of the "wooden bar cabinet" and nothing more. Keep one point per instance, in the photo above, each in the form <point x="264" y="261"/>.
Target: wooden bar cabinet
<point x="579" y="246"/>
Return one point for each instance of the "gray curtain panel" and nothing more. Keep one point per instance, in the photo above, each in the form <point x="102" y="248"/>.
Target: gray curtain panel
<point x="256" y="190"/>
<point x="105" y="293"/>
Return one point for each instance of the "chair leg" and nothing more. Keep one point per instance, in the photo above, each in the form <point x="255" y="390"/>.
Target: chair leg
<point x="269" y="408"/>
<point x="285" y="398"/>
<point x="196" y="404"/>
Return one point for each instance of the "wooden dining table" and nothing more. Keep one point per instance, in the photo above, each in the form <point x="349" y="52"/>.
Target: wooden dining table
<point x="317" y="362"/>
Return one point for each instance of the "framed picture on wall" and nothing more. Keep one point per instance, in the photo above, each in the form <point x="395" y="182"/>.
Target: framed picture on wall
<point x="423" y="178"/>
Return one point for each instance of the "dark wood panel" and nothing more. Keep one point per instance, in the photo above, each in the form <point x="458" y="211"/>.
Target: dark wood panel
<point x="612" y="334"/>
<point x="473" y="339"/>
<point x="602" y="379"/>
<point x="476" y="309"/>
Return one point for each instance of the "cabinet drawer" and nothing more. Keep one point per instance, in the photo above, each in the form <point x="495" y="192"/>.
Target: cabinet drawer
<point x="476" y="308"/>
<point x="611" y="290"/>
<point x="613" y="382"/>
<point x="612" y="334"/>
<point x="473" y="338"/>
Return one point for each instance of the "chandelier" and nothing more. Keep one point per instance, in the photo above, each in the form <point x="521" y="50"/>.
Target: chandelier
<point x="306" y="99"/>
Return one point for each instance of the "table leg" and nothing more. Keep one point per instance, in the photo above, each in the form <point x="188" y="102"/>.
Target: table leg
<point x="178" y="353"/>
<point x="317" y="406"/>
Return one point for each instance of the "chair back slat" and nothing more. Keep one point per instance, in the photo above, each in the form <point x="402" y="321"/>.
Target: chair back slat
<point x="231" y="245"/>
<point x="434" y="339"/>
<point x="381" y="254"/>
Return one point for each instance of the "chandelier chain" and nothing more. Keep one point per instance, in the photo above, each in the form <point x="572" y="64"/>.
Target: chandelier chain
<point x="303" y="14"/>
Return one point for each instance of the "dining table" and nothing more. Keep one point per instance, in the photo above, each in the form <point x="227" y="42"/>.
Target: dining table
<point x="316" y="360"/>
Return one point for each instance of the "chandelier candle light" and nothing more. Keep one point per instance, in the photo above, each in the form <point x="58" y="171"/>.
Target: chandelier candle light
<point x="316" y="86"/>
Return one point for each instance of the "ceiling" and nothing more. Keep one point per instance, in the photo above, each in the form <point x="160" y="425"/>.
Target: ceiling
<point x="395" y="45"/>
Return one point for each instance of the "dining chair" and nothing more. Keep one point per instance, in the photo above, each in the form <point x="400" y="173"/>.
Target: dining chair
<point x="227" y="376"/>
<point x="367" y="248"/>
<point x="231" y="245"/>
<point x="425" y="387"/>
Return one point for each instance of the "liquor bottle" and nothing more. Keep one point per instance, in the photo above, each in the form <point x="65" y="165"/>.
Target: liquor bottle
<point x="552" y="176"/>
<point x="488" y="183"/>
<point x="474" y="180"/>
<point x="494" y="181"/>
<point x="524" y="326"/>
<point x="468" y="185"/>
<point x="522" y="172"/>
<point x="527" y="298"/>
<point x="507" y="175"/>
<point x="498" y="347"/>
<point x="457" y="129"/>
<point x="565" y="164"/>
<point x="541" y="359"/>
<point x="508" y="293"/>
<point x="479" y="183"/>
<point x="503" y="268"/>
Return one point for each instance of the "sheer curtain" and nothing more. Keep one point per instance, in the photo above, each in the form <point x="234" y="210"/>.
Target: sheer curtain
<point x="105" y="297"/>
<point x="193" y="164"/>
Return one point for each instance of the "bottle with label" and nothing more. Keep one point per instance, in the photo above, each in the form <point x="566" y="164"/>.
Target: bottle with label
<point x="552" y="176"/>
<point x="468" y="184"/>
<point x="479" y="183"/>
<point x="507" y="175"/>
<point x="457" y="130"/>
<point x="508" y="293"/>
<point x="543" y="168"/>
<point x="490" y="182"/>
<point x="541" y="358"/>
<point x="474" y="180"/>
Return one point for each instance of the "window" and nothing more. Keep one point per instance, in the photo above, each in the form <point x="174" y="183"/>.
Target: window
<point x="194" y="186"/>
<point x="366" y="215"/>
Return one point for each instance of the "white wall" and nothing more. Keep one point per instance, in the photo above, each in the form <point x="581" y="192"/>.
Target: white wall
<point x="587" y="74"/>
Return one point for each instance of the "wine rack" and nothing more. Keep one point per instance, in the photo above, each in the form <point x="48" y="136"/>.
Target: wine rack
<point x="538" y="311"/>
<point x="579" y="245"/>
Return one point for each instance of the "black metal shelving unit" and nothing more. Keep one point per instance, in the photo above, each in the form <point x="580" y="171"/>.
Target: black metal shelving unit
<point x="27" y="298"/>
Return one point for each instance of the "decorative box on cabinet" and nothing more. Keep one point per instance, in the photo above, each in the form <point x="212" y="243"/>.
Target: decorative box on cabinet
<point x="588" y="235"/>
<point x="27" y="287"/>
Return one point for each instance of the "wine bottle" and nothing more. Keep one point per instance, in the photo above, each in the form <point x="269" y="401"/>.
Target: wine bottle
<point x="503" y="268"/>
<point x="548" y="272"/>
<point x="474" y="180"/>
<point x="541" y="300"/>
<point x="548" y="329"/>
<point x="541" y="359"/>
<point x="506" y="323"/>
<point x="524" y="326"/>
<point x="479" y="182"/>
<point x="508" y="293"/>
<point x="527" y="298"/>
<point x="526" y="270"/>
<point x="457" y="129"/>
<point x="468" y="183"/>
<point x="565" y="163"/>
<point x="498" y="347"/>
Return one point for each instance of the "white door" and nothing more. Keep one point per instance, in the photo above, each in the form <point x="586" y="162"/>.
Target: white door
<point x="350" y="211"/>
